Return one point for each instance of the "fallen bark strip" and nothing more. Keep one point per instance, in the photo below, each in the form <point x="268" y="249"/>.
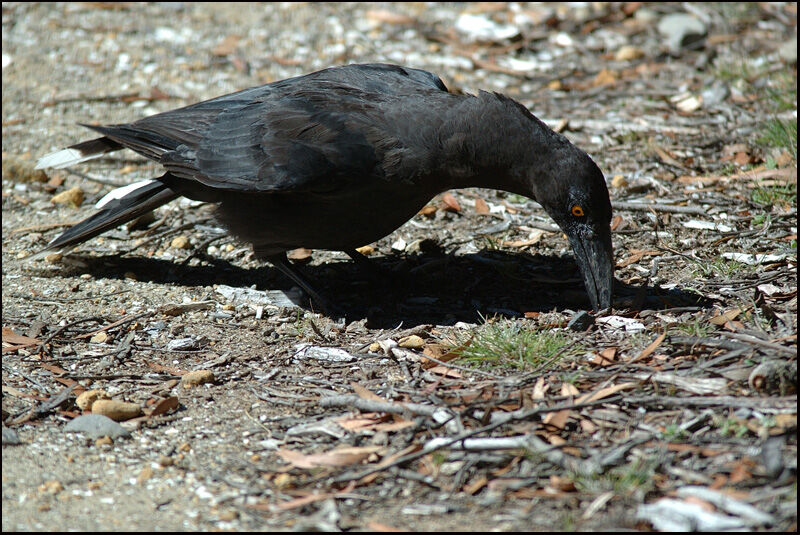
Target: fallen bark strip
<point x="774" y="405"/>
<point x="658" y="207"/>
<point x="368" y="405"/>
<point x="691" y="341"/>
<point x="763" y="343"/>
<point x="534" y="444"/>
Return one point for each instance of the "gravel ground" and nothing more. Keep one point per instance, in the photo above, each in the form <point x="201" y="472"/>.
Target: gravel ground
<point x="671" y="117"/>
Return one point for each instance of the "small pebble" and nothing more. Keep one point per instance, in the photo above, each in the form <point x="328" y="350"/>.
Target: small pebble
<point x="73" y="196"/>
<point x="87" y="399"/>
<point x="580" y="321"/>
<point x="627" y="53"/>
<point x="179" y="242"/>
<point x="412" y="342"/>
<point x="116" y="410"/>
<point x="99" y="338"/>
<point x="196" y="378"/>
<point x="95" y="426"/>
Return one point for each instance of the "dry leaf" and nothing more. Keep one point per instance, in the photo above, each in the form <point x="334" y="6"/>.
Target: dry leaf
<point x="569" y="389"/>
<point x="605" y="77"/>
<point x="562" y="483"/>
<point x="557" y="419"/>
<point x="393" y="426"/>
<point x="389" y="17"/>
<point x="476" y="485"/>
<point x="365" y="393"/>
<point x="446" y="372"/>
<point x="299" y="255"/>
<point x="339" y="457"/>
<point x="725" y="317"/>
<point x="386" y="461"/>
<point x="431" y="350"/>
<point x="10" y="337"/>
<point x="649" y="349"/>
<point x="164" y="406"/>
<point x="305" y="500"/>
<point x="539" y="389"/>
<point x="739" y="473"/>
<point x="606" y="357"/>
<point x="227" y="46"/>
<point x="604" y="393"/>
<point x="428" y="210"/>
<point x="354" y="424"/>
<point x="450" y="202"/>
<point x="481" y="207"/>
<point x="383" y="528"/>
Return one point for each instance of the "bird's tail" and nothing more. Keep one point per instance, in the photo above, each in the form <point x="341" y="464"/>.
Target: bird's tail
<point x="119" y="206"/>
<point x="78" y="153"/>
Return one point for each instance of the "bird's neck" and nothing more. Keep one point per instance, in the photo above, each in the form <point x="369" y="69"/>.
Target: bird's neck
<point x="494" y="142"/>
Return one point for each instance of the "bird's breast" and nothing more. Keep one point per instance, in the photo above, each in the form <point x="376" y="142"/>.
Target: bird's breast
<point x="342" y="220"/>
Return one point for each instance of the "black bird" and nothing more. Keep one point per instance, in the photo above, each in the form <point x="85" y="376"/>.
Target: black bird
<point x="339" y="158"/>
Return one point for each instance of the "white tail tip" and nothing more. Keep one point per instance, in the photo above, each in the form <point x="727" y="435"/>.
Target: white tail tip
<point x="63" y="158"/>
<point x="122" y="192"/>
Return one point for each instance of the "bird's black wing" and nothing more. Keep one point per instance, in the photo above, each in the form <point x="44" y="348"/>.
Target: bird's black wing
<point x="308" y="133"/>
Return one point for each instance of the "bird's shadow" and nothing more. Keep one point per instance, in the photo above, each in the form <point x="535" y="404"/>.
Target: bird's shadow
<point x="430" y="287"/>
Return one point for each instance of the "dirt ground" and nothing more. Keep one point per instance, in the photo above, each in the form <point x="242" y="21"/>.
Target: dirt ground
<point x="676" y="409"/>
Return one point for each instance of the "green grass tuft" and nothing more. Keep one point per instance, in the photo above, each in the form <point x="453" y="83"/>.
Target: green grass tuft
<point x="780" y="133"/>
<point x="508" y="343"/>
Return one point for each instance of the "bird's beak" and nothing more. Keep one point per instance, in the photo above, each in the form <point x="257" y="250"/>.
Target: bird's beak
<point x="596" y="261"/>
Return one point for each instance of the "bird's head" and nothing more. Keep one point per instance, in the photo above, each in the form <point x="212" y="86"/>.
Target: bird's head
<point x="573" y="191"/>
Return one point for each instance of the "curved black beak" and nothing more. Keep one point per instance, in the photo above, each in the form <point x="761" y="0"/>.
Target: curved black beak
<point x="595" y="259"/>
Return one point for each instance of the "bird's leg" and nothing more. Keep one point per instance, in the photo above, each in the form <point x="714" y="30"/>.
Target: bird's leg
<point x="287" y="268"/>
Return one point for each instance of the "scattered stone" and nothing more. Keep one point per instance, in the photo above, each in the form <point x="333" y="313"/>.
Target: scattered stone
<point x="179" y="242"/>
<point x="197" y="377"/>
<point x="118" y="411"/>
<point x="706" y="225"/>
<point x="788" y="51"/>
<point x="580" y="321"/>
<point x="753" y="259"/>
<point x="366" y="250"/>
<point x="104" y="441"/>
<point x="10" y="437"/>
<point x="99" y="338"/>
<point x="330" y="354"/>
<point x="628" y="53"/>
<point x="249" y="296"/>
<point x="51" y="487"/>
<point x="187" y="343"/>
<point x="620" y="322"/>
<point x="399" y="245"/>
<point x="87" y="399"/>
<point x="715" y="94"/>
<point x="681" y="31"/>
<point x="481" y="28"/>
<point x="53" y="258"/>
<point x="619" y="181"/>
<point x="412" y="342"/>
<point x="96" y="426"/>
<point x="687" y="102"/>
<point x="73" y="196"/>
<point x="228" y="516"/>
<point x="144" y="475"/>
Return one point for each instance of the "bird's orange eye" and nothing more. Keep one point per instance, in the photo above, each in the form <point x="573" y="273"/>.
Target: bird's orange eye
<point x="577" y="211"/>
